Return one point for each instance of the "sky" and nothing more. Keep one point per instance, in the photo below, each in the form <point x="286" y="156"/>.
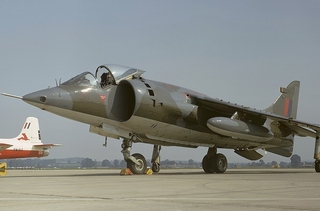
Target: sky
<point x="238" y="51"/>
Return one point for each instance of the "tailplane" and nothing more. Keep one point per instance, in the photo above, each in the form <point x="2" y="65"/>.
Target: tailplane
<point x="287" y="103"/>
<point x="30" y="131"/>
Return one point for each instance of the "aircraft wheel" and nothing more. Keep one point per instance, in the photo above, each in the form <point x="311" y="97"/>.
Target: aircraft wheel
<point x="207" y="164"/>
<point x="220" y="163"/>
<point x="317" y="166"/>
<point x="137" y="168"/>
<point x="156" y="167"/>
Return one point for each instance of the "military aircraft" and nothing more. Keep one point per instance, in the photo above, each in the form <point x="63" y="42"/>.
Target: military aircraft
<point x="26" y="144"/>
<point x="117" y="102"/>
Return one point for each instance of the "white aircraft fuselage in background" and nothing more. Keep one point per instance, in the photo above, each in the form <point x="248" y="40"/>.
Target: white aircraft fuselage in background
<point x="27" y="144"/>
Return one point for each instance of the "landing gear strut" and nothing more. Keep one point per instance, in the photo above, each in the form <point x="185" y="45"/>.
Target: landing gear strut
<point x="213" y="162"/>
<point x="317" y="154"/>
<point x="156" y="158"/>
<point x="136" y="162"/>
<point x="317" y="166"/>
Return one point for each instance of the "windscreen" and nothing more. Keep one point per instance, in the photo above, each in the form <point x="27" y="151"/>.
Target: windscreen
<point x="84" y="79"/>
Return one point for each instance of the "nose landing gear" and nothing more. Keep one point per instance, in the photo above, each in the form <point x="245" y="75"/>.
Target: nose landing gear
<point x="138" y="167"/>
<point x="136" y="162"/>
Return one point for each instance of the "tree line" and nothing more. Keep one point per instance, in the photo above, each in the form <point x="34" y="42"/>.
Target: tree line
<point x="90" y="163"/>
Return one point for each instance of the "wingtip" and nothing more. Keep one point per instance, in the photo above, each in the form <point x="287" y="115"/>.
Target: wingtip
<point x="57" y="145"/>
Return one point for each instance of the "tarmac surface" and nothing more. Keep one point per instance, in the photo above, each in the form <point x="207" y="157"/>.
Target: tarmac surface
<point x="171" y="189"/>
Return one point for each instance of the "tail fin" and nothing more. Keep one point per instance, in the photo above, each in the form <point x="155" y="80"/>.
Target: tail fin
<point x="30" y="131"/>
<point x="287" y="103"/>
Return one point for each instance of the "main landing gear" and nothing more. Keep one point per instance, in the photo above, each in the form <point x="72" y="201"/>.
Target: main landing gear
<point x="213" y="162"/>
<point x="136" y="162"/>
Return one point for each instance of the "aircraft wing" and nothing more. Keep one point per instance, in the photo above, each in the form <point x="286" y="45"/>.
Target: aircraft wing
<point x="45" y="146"/>
<point x="227" y="109"/>
<point x="303" y="128"/>
<point x="4" y="146"/>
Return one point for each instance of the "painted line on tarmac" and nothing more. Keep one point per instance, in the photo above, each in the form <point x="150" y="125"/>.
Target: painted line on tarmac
<point x="51" y="199"/>
<point x="162" y="199"/>
<point x="227" y="199"/>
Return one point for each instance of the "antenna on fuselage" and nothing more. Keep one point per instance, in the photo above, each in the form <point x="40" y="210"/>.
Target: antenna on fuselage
<point x="58" y="84"/>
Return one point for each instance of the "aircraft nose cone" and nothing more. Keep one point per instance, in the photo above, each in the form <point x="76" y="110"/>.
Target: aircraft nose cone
<point x="36" y="97"/>
<point x="43" y="99"/>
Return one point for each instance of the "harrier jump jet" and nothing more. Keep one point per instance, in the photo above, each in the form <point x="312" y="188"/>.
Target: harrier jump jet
<point x="117" y="102"/>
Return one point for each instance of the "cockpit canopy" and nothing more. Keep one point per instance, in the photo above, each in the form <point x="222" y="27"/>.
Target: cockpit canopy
<point x="113" y="74"/>
<point x="84" y="79"/>
<point x="105" y="75"/>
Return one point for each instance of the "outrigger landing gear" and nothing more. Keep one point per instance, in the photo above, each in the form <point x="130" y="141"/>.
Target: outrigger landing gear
<point x="213" y="162"/>
<point x="317" y="166"/>
<point x="317" y="154"/>
<point x="156" y="158"/>
<point x="136" y="162"/>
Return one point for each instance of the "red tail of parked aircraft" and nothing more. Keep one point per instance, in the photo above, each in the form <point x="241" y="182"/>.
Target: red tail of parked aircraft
<point x="26" y="144"/>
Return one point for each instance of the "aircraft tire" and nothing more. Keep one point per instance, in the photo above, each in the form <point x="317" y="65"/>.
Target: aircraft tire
<point x="207" y="164"/>
<point x="137" y="169"/>
<point x="317" y="166"/>
<point x="156" y="167"/>
<point x="220" y="163"/>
